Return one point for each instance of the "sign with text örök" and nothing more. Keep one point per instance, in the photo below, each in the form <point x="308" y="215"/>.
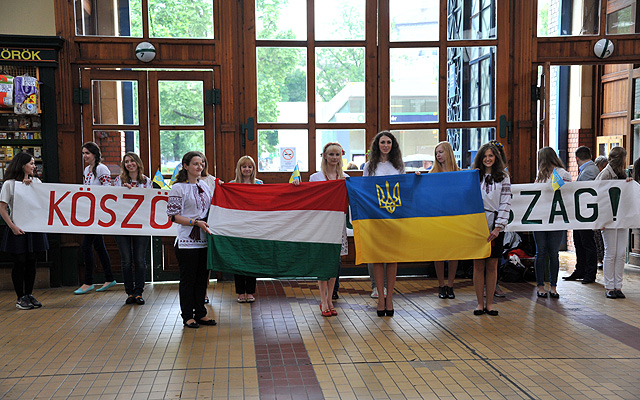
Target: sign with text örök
<point x="99" y="210"/>
<point x="576" y="205"/>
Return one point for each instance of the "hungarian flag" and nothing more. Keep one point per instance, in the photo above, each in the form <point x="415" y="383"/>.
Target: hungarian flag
<point x="277" y="230"/>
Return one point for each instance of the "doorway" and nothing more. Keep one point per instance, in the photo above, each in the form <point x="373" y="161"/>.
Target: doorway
<point x="160" y="115"/>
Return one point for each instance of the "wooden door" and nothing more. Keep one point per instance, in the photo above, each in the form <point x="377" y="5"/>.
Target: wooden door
<point x="158" y="114"/>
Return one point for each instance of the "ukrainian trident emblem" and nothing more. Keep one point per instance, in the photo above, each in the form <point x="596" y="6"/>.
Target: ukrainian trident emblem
<point x="389" y="202"/>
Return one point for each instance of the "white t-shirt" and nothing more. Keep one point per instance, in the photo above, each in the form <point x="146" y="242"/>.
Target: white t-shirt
<point x="146" y="184"/>
<point x="8" y="190"/>
<point x="319" y="177"/>
<point x="190" y="200"/>
<point x="103" y="175"/>
<point x="383" y="168"/>
<point x="564" y="174"/>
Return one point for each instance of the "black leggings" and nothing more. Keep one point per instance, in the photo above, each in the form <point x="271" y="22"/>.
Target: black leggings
<point x="23" y="273"/>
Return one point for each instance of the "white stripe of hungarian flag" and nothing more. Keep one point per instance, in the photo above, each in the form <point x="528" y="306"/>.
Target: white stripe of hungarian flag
<point x="277" y="230"/>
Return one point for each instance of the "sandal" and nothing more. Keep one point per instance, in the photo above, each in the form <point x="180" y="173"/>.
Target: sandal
<point x="542" y="294"/>
<point x="242" y="299"/>
<point x="554" y="295"/>
<point x="250" y="298"/>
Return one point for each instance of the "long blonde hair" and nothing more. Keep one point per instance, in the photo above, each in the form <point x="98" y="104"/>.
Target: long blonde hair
<point x="243" y="161"/>
<point x="450" y="164"/>
<point x="124" y="174"/>
<point x="323" y="164"/>
<point x="547" y="161"/>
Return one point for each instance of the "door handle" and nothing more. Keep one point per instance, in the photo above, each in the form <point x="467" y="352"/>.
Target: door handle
<point x="248" y="131"/>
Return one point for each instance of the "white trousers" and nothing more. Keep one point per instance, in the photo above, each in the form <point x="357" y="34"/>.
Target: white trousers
<point x="615" y="248"/>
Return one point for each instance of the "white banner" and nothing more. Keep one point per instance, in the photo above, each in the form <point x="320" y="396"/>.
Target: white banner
<point x="61" y="208"/>
<point x="576" y="205"/>
<point x="100" y="210"/>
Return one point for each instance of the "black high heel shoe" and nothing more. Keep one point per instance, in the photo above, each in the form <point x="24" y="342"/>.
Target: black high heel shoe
<point x="390" y="313"/>
<point x="381" y="313"/>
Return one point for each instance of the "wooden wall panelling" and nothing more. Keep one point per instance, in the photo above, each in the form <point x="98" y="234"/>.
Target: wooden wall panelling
<point x="579" y="49"/>
<point x="504" y="78"/>
<point x="525" y="41"/>
<point x="247" y="93"/>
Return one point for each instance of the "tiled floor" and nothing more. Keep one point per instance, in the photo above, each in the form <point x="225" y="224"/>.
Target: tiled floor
<point x="581" y="346"/>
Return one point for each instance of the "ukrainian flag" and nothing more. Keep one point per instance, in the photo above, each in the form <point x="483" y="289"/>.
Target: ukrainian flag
<point x="295" y="175"/>
<point x="428" y="217"/>
<point x="556" y="180"/>
<point x="159" y="180"/>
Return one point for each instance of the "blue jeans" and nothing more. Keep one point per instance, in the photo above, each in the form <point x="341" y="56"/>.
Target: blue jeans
<point x="547" y="245"/>
<point x="133" y="250"/>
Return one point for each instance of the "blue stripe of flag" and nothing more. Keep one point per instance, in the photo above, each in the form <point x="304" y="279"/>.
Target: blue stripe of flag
<point x="426" y="195"/>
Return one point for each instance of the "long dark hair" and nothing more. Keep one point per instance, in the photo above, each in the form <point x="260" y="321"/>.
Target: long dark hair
<point x="636" y="170"/>
<point x="375" y="156"/>
<point x="548" y="160"/>
<point x="15" y="168"/>
<point x="616" y="159"/>
<point x="497" y="170"/>
<point x="183" y="176"/>
<point x="97" y="154"/>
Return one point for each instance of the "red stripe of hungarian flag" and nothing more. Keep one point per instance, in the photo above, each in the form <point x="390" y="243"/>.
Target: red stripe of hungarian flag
<point x="277" y="230"/>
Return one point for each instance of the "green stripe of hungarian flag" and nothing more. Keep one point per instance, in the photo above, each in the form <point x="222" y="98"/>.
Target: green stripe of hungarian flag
<point x="277" y="230"/>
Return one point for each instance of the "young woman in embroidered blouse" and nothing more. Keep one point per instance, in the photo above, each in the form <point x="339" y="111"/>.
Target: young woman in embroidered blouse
<point x="385" y="159"/>
<point x="23" y="246"/>
<point x="95" y="173"/>
<point x="495" y="187"/>
<point x="246" y="173"/>
<point x="189" y="202"/>
<point x="331" y="169"/>
<point x="133" y="249"/>
<point x="445" y="162"/>
<point x="548" y="242"/>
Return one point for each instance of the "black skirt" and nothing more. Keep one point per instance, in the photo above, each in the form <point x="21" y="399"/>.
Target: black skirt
<point x="27" y="243"/>
<point x="497" y="246"/>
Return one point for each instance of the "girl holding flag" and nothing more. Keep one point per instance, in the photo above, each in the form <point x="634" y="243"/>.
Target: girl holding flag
<point x="331" y="169"/>
<point x="133" y="249"/>
<point x="189" y="203"/>
<point x="385" y="159"/>
<point x="445" y="162"/>
<point x="95" y="173"/>
<point x="495" y="187"/>
<point x="246" y="173"/>
<point x="548" y="242"/>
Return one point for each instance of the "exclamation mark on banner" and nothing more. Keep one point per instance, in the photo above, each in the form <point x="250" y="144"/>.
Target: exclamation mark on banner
<point x="614" y="196"/>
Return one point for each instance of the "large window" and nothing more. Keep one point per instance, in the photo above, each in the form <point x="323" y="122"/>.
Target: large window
<point x="166" y="18"/>
<point x="358" y="70"/>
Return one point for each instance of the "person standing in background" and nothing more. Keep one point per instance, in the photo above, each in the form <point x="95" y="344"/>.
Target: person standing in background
<point x="586" y="255"/>
<point x="96" y="173"/>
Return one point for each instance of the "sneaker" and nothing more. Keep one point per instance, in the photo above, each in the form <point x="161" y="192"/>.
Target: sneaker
<point x="37" y="304"/>
<point x="620" y="295"/>
<point x="130" y="299"/>
<point x="24" y="303"/>
<point x="499" y="292"/>
<point x="374" y="293"/>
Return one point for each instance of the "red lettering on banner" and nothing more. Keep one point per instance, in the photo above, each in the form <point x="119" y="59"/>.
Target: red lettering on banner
<point x="109" y="211"/>
<point x="53" y="207"/>
<point x="152" y="221"/>
<point x="92" y="208"/>
<point x="140" y="199"/>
